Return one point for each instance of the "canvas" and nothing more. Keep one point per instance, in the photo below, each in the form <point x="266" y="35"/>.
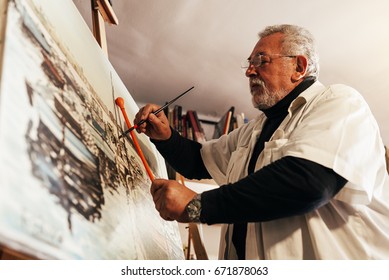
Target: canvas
<point x="70" y="187"/>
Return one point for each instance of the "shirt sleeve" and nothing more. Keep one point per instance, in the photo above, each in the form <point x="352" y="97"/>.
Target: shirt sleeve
<point x="183" y="155"/>
<point x="290" y="186"/>
<point x="337" y="130"/>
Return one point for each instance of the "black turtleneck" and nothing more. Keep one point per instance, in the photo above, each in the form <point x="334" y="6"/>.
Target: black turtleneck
<point x="275" y="115"/>
<point x="287" y="187"/>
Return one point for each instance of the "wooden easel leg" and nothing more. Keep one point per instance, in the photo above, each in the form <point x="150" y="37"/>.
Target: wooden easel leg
<point x="99" y="27"/>
<point x="3" y="18"/>
<point x="189" y="244"/>
<point x="198" y="245"/>
<point x="194" y="236"/>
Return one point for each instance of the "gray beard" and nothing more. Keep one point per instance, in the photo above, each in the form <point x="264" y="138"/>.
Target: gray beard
<point x="263" y="98"/>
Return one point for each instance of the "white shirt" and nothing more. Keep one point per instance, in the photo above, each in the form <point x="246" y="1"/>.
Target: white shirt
<point x="332" y="126"/>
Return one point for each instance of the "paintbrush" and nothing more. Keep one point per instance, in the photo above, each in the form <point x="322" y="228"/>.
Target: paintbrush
<point x="155" y="113"/>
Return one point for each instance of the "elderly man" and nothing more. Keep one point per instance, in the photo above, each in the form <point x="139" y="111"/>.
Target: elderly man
<point x="305" y="180"/>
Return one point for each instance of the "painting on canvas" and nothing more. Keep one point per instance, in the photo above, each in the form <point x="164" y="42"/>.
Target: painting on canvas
<point x="70" y="187"/>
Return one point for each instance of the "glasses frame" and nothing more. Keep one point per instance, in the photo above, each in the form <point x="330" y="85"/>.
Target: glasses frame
<point x="257" y="60"/>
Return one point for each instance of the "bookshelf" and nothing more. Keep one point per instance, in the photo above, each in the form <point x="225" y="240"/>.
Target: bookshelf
<point x="190" y="124"/>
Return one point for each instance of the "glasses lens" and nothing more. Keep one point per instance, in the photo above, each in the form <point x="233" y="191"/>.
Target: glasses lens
<point x="256" y="61"/>
<point x="245" y="64"/>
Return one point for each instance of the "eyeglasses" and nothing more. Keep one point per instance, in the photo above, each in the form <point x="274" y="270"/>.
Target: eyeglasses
<point x="259" y="59"/>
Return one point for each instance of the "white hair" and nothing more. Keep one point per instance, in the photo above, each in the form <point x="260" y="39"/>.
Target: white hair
<point x="296" y="41"/>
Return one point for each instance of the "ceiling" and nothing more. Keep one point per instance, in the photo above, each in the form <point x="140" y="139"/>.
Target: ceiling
<point x="163" y="47"/>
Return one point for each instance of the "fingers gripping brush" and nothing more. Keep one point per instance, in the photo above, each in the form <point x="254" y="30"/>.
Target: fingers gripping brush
<point x="156" y="112"/>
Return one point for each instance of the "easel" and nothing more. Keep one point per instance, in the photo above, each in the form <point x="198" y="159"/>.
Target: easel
<point x="194" y="238"/>
<point x="102" y="12"/>
<point x="198" y="245"/>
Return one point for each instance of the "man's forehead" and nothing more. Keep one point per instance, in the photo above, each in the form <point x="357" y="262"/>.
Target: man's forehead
<point x="271" y="40"/>
<point x="268" y="44"/>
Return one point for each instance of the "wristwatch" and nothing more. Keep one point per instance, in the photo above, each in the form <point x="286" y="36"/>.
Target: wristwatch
<point x="194" y="209"/>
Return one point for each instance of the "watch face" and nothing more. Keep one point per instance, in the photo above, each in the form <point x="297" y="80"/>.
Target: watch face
<point x="194" y="209"/>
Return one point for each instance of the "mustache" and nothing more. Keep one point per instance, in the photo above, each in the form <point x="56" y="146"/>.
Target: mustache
<point x="256" y="82"/>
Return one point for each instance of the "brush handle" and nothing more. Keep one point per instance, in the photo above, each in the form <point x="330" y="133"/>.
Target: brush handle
<point x="155" y="112"/>
<point x="120" y="102"/>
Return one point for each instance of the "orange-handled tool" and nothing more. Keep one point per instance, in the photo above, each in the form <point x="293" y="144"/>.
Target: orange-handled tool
<point x="120" y="102"/>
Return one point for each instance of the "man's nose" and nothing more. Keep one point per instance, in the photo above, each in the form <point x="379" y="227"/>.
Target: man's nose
<point x="251" y="72"/>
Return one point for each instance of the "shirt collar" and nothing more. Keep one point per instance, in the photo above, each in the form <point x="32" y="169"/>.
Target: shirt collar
<point x="281" y="108"/>
<point x="306" y="96"/>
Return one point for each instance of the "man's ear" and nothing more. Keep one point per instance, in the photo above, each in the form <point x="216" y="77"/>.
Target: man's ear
<point x="301" y="68"/>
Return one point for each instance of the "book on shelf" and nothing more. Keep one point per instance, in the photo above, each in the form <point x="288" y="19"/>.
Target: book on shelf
<point x="225" y="124"/>
<point x="190" y="126"/>
<point x="195" y="124"/>
<point x="184" y="126"/>
<point x="177" y="118"/>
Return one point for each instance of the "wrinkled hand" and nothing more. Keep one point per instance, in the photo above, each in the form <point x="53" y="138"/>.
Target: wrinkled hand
<point x="157" y="126"/>
<point x="171" y="198"/>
